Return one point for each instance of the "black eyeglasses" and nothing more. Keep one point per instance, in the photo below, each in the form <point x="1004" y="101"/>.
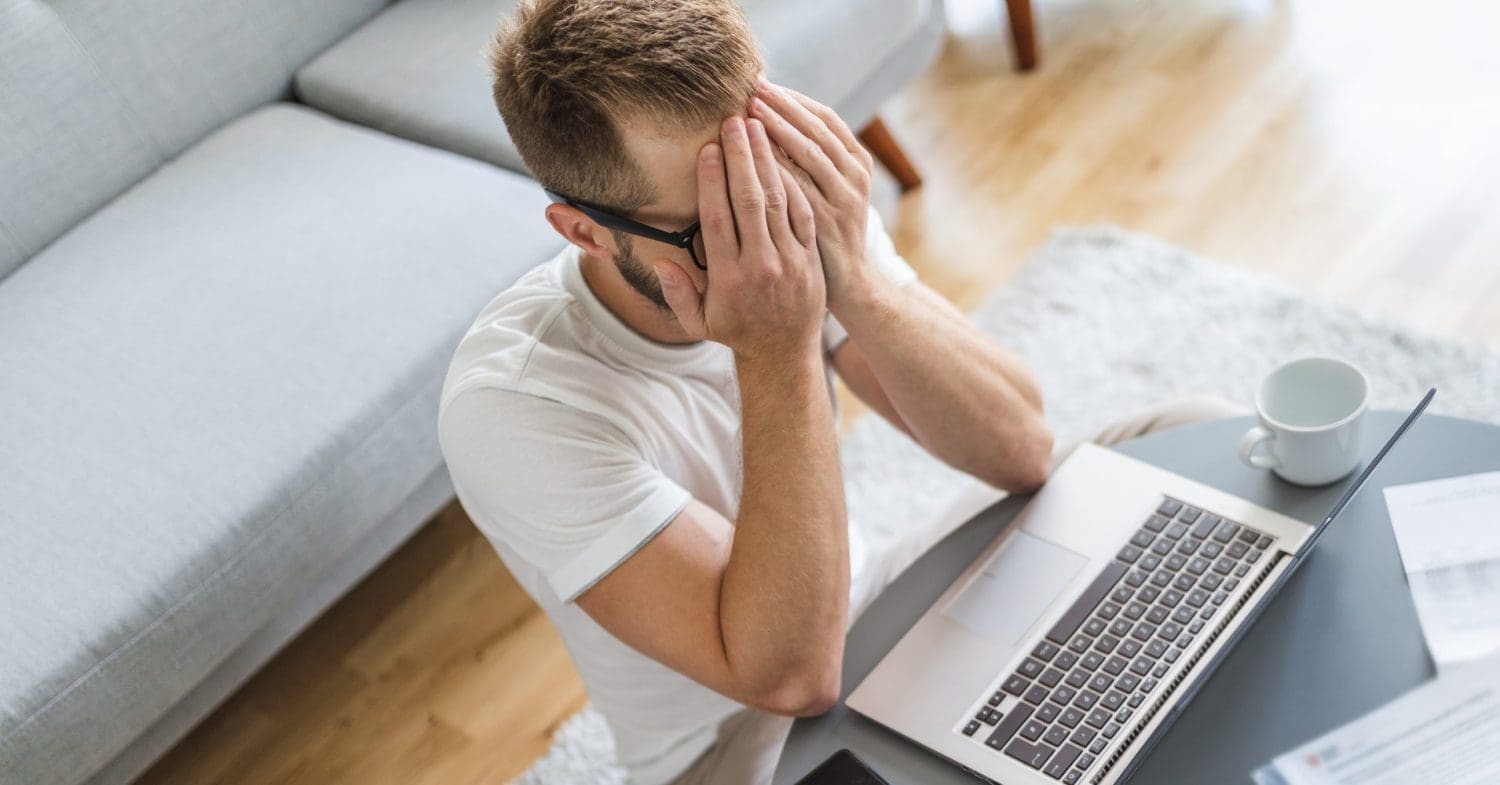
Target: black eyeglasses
<point x="689" y="239"/>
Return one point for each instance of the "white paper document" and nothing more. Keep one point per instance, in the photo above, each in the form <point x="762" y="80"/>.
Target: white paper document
<point x="1448" y="532"/>
<point x="1446" y="731"/>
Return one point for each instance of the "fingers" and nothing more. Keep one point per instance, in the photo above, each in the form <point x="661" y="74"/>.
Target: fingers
<point x="772" y="186"/>
<point x="798" y="210"/>
<point x="683" y="298"/>
<point x="835" y="124"/>
<point x="746" y="198"/>
<point x="844" y="156"/>
<point x="714" y="214"/>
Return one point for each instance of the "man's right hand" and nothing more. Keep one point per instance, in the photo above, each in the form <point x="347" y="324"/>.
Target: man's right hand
<point x="765" y="296"/>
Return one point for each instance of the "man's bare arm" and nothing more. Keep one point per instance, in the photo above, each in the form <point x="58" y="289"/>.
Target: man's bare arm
<point x="756" y="611"/>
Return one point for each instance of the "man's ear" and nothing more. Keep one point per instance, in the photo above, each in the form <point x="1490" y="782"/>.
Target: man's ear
<point x="577" y="228"/>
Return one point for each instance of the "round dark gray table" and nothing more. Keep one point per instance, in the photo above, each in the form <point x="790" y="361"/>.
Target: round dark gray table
<point x="1339" y="640"/>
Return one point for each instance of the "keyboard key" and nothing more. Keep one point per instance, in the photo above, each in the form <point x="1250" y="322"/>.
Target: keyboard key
<point x="1136" y="700"/>
<point x="1147" y="594"/>
<point x="1148" y="685"/>
<point x="1033" y="730"/>
<point x="1226" y="531"/>
<point x="1162" y="547"/>
<point x="1141" y="666"/>
<point x="1188" y="514"/>
<point x="1129" y="554"/>
<point x="1150" y="562"/>
<point x="1142" y="539"/>
<point x="1123" y="715"/>
<point x="971" y="727"/>
<point x="1134" y="610"/>
<point x="1248" y="536"/>
<point x="1211" y="581"/>
<point x="1056" y="736"/>
<point x="1208" y="611"/>
<point x="1036" y="695"/>
<point x="1098" y="746"/>
<point x="1110" y="730"/>
<point x="1066" y="660"/>
<point x="1244" y="569"/>
<point x="1210" y="550"/>
<point x="1195" y="626"/>
<point x="1078" y="678"/>
<point x="1084" y="761"/>
<point x="1143" y="631"/>
<point x="1136" y="578"/>
<point x="1033" y="755"/>
<point x="1008" y="726"/>
<point x="1100" y="683"/>
<point x="1083" y="735"/>
<point x="1197" y="597"/>
<point x="1044" y="651"/>
<point x="1097" y="718"/>
<point x="1161" y="579"/>
<point x="1187" y="547"/>
<point x="1173" y="654"/>
<point x="1224" y="565"/>
<point x="1128" y="682"/>
<point x="1113" y="700"/>
<point x="1062" y="761"/>
<point x="1184" y="615"/>
<point x="1156" y="615"/>
<point x="1109" y="610"/>
<point x="1047" y="712"/>
<point x="1155" y="649"/>
<point x="1093" y="660"/>
<point x="1114" y="666"/>
<point x="1230" y="584"/>
<point x="1016" y="686"/>
<point x="1085" y="700"/>
<point x="1238" y="549"/>
<point x="1093" y="627"/>
<point x="1160" y="670"/>
<point x="1155" y="523"/>
<point x="1081" y="643"/>
<point x="1072" y="777"/>
<point x="1198" y="566"/>
<point x="1176" y="562"/>
<point x="1169" y="631"/>
<point x="988" y="716"/>
<point x="1220" y="597"/>
<point x="1169" y="507"/>
<point x="1175" y="530"/>
<point x="1086" y="602"/>
<point x="1252" y="557"/>
<point x="1205" y="525"/>
<point x="1129" y="649"/>
<point x="1184" y="582"/>
<point x="1051" y="677"/>
<point x="1071" y="717"/>
<point x="1170" y="598"/>
<point x="1030" y="669"/>
<point x="1184" y="640"/>
<point x="1123" y="594"/>
<point x="1062" y="695"/>
<point x="1265" y="540"/>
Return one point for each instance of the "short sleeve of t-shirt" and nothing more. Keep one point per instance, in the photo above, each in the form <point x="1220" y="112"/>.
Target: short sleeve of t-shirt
<point x="564" y="488"/>
<point x="880" y="252"/>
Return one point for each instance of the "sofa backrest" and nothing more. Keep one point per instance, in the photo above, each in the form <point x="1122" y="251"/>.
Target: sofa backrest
<point x="95" y="94"/>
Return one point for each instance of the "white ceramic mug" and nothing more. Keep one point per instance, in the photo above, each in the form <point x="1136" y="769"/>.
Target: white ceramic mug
<point x="1312" y="421"/>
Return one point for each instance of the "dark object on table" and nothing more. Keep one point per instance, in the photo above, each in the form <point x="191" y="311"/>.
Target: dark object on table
<point x="842" y="768"/>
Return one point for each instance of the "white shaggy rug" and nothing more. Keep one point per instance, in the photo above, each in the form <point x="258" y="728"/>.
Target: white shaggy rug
<point x="1113" y="322"/>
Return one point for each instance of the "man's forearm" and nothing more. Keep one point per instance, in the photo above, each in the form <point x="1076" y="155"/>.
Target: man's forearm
<point x="968" y="400"/>
<point x="785" y="592"/>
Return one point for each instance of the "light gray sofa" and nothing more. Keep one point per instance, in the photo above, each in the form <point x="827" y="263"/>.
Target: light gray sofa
<point x="225" y="314"/>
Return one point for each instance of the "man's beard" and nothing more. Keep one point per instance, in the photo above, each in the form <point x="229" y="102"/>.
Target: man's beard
<point x="638" y="274"/>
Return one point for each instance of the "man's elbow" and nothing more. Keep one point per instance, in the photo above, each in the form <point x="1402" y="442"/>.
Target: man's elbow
<point x="803" y="695"/>
<point x="1029" y="461"/>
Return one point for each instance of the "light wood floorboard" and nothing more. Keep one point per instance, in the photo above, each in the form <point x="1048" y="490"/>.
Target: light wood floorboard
<point x="1352" y="150"/>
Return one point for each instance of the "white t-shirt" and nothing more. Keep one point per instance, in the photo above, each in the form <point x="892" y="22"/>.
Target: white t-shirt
<point x="572" y="440"/>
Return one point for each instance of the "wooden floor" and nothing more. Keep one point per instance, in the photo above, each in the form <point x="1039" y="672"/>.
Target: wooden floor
<point x="1350" y="148"/>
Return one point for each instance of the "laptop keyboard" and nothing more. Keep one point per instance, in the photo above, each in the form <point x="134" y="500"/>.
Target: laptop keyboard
<point x="1108" y="653"/>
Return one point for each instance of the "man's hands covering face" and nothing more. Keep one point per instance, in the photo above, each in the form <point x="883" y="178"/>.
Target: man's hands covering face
<point x="765" y="295"/>
<point x="833" y="170"/>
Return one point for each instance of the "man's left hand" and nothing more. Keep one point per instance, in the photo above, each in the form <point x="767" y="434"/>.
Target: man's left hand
<point x="834" y="171"/>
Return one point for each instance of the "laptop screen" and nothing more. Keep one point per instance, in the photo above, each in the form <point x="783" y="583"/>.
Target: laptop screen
<point x="1364" y="475"/>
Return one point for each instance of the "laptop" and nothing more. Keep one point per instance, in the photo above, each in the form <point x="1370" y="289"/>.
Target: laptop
<point x="1068" y="647"/>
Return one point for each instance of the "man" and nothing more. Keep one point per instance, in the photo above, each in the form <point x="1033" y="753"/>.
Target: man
<point x="643" y="427"/>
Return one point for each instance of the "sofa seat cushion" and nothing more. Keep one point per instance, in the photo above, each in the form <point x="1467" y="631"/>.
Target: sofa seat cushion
<point x="418" y="69"/>
<point x="208" y="391"/>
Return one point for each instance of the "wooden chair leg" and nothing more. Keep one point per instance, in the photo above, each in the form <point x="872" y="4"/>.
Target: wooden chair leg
<point x="1023" y="33"/>
<point x="888" y="152"/>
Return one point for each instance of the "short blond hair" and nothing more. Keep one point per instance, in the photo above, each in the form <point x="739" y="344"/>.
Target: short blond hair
<point x="568" y="73"/>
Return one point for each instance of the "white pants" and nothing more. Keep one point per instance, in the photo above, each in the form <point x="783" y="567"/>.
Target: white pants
<point x="749" y="742"/>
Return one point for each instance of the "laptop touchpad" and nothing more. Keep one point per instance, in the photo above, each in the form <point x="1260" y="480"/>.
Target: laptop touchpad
<point x="1015" y="587"/>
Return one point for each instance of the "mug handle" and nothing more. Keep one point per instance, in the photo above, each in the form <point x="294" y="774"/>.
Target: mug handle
<point x="1253" y="437"/>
